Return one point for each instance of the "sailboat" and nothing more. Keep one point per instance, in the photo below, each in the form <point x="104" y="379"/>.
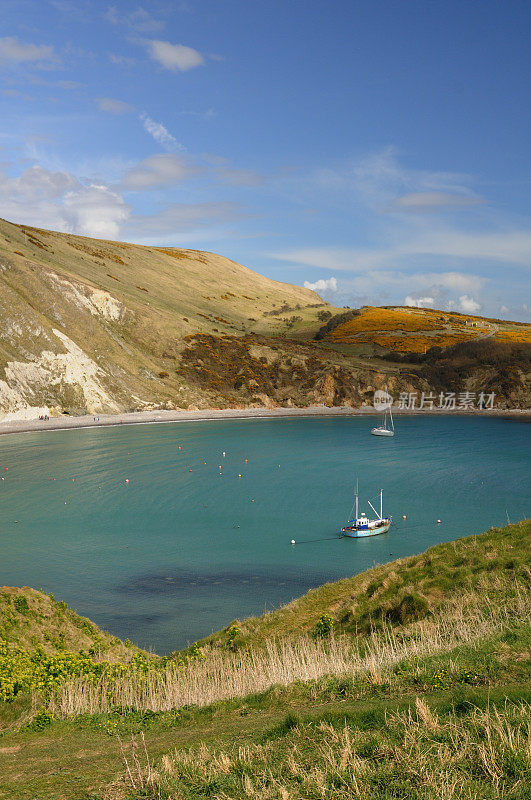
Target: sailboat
<point x="360" y="525"/>
<point x="383" y="429"/>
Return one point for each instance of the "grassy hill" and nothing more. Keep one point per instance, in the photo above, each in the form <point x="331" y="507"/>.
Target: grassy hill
<point x="93" y="326"/>
<point x="419" y="705"/>
<point x="36" y="621"/>
<point x="398" y="593"/>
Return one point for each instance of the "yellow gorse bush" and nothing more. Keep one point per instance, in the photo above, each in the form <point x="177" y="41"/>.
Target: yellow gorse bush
<point x="22" y="672"/>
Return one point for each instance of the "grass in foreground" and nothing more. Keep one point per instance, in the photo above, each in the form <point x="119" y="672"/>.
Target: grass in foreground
<point x="302" y="711"/>
<point x="467" y="753"/>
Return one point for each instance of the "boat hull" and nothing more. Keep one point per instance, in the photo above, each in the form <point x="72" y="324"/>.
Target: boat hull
<point x="354" y="533"/>
<point x="382" y="432"/>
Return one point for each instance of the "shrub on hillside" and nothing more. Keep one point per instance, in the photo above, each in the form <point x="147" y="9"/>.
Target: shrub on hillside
<point x="335" y="322"/>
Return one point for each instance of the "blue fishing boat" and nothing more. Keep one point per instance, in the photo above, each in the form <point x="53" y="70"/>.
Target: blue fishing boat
<point x="361" y="526"/>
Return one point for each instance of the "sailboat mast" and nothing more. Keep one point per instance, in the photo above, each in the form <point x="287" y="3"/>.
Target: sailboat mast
<point x="381" y="503"/>
<point x="356" y="498"/>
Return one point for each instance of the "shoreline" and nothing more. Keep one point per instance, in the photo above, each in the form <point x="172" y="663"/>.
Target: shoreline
<point x="212" y="415"/>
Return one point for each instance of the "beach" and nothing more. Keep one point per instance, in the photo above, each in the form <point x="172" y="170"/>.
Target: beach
<point x="160" y="416"/>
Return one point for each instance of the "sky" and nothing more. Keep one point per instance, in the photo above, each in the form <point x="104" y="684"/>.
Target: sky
<point x="375" y="150"/>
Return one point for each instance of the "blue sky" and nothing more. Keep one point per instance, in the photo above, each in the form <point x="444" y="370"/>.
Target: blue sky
<point x="376" y="150"/>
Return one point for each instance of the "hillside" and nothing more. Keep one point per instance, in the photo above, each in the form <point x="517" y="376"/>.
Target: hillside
<point x="431" y="700"/>
<point x="403" y="329"/>
<point x="92" y="326"/>
<point x="36" y="621"/>
<point x="401" y="592"/>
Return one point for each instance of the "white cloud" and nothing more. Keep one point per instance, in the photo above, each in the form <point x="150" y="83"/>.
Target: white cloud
<point x="139" y="20"/>
<point x="113" y="106"/>
<point x="142" y="21"/>
<point x="95" y="211"/>
<point x="327" y="258"/>
<point x="181" y="218"/>
<point x="36" y="183"/>
<point x="123" y="61"/>
<point x="455" y="281"/>
<point x="468" y="304"/>
<point x="322" y="285"/>
<point x="419" y="302"/>
<point x="13" y="51"/>
<point x="239" y="177"/>
<point x="512" y="247"/>
<point x="176" y="57"/>
<point x="58" y="200"/>
<point x="162" y="169"/>
<point x="203" y="115"/>
<point x="419" y="202"/>
<point x="380" y="180"/>
<point x="160" y="133"/>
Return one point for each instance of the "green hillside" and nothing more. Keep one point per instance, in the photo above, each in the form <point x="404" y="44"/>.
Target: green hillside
<point x="36" y="621"/>
<point x="433" y="697"/>
<point x="400" y="592"/>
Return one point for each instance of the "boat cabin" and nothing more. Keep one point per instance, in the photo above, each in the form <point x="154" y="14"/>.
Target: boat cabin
<point x="361" y="522"/>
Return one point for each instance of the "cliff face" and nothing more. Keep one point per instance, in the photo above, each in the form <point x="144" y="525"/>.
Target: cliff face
<point x="91" y="326"/>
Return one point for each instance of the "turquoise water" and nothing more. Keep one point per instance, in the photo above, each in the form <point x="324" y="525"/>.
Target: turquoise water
<point x="181" y="550"/>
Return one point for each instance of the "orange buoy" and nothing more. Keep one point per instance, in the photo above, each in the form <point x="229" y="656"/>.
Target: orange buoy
<point x="127" y="480"/>
<point x="246" y="461"/>
<point x="403" y="516"/>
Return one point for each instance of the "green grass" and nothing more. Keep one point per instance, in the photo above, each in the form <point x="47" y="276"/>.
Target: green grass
<point x="401" y="591"/>
<point x="415" y="752"/>
<point x="77" y="758"/>
<point x="414" y="727"/>
<point x="34" y="620"/>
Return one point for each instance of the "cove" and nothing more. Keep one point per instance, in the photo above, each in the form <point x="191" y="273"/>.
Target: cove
<point x="137" y="528"/>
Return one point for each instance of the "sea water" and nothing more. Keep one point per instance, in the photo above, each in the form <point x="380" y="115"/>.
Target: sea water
<point x="164" y="533"/>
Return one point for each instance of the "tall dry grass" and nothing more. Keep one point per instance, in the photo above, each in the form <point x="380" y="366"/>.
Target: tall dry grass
<point x="223" y="675"/>
<point x="484" y="755"/>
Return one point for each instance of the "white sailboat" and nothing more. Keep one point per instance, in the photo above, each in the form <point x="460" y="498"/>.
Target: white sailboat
<point x="383" y="429"/>
<point x="361" y="526"/>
